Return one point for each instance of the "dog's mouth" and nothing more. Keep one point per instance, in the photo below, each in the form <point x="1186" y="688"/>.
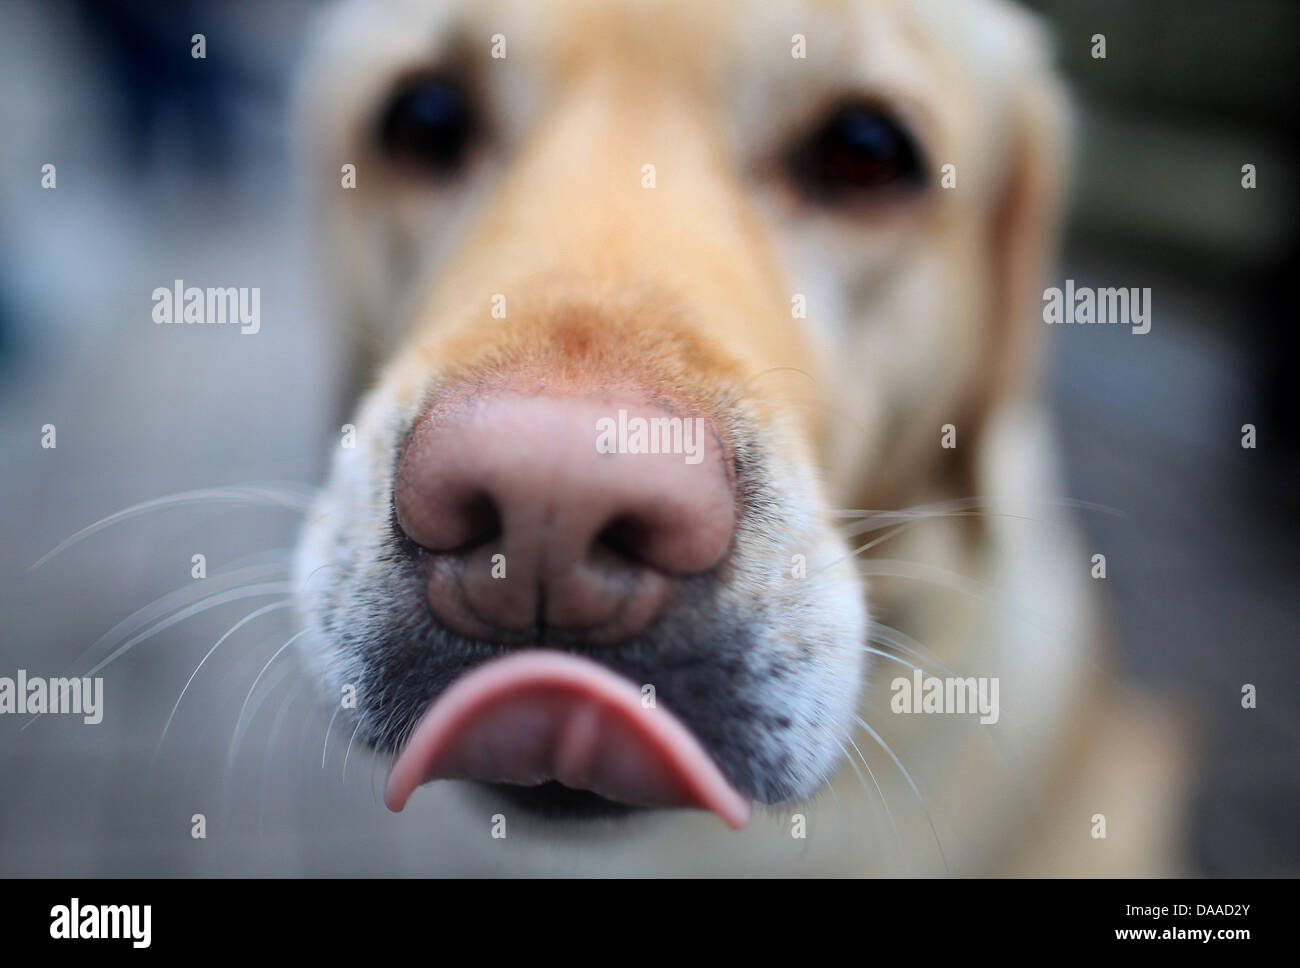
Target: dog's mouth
<point x="544" y="720"/>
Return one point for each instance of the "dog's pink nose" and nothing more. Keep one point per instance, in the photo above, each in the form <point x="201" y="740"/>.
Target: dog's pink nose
<point x="562" y="514"/>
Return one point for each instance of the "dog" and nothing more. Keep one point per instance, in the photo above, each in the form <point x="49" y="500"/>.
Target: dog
<point x="701" y="436"/>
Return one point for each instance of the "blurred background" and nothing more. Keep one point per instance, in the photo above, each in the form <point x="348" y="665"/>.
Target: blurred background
<point x="170" y="168"/>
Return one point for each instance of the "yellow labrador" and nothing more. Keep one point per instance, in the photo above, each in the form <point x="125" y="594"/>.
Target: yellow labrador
<point x="702" y="515"/>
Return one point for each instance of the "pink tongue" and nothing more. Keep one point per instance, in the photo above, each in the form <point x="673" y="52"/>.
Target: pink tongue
<point x="540" y="715"/>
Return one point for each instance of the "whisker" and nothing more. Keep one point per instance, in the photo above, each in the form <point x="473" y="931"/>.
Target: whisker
<point x="344" y="778"/>
<point x="920" y="571"/>
<point x="847" y="758"/>
<point x="1002" y="710"/>
<point x="265" y="495"/>
<point x="919" y="653"/>
<point x="888" y="635"/>
<point x="270" y="747"/>
<point x="826" y="781"/>
<point x="894" y="530"/>
<point x="328" y="729"/>
<point x="908" y="777"/>
<point x="256" y="613"/>
<point x="863" y="780"/>
<point x="973" y="503"/>
<point x="228" y="774"/>
<point x="876" y="522"/>
<point x="212" y="601"/>
<point x="915" y="510"/>
<point x="142" y="616"/>
<point x="881" y="793"/>
<point x="234" y="738"/>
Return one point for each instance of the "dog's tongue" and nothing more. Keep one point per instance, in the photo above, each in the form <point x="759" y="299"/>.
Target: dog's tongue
<point x="539" y="715"/>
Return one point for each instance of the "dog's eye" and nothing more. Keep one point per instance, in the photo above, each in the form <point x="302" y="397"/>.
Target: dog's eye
<point x="855" y="152"/>
<point x="427" y="124"/>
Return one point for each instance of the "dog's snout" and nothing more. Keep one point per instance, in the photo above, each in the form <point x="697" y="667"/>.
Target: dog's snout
<point x="549" y="514"/>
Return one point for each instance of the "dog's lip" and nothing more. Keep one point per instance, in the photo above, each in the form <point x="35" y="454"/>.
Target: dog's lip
<point x="544" y="715"/>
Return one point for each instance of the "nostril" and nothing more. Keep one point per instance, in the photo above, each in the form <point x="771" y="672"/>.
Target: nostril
<point x="479" y="520"/>
<point x="627" y="536"/>
<point x="450" y="524"/>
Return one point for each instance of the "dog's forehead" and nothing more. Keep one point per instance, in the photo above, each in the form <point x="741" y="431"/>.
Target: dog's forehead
<point x="765" y="64"/>
<point x="724" y="35"/>
<point x="688" y="34"/>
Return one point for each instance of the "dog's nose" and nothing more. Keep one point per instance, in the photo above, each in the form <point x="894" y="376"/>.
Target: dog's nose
<point x="554" y="514"/>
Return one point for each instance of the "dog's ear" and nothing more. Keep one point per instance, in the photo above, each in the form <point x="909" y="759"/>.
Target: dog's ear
<point x="1026" y="222"/>
<point x="1024" y="228"/>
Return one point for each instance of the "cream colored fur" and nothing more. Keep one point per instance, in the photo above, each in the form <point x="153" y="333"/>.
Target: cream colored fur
<point x="918" y="316"/>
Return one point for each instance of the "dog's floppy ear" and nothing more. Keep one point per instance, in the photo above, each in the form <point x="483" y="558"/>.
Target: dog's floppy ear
<point x="1026" y="223"/>
<point x="1024" y="227"/>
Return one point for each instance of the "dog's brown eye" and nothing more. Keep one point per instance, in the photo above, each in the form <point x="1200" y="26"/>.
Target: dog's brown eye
<point x="854" y="153"/>
<point x="427" y="125"/>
